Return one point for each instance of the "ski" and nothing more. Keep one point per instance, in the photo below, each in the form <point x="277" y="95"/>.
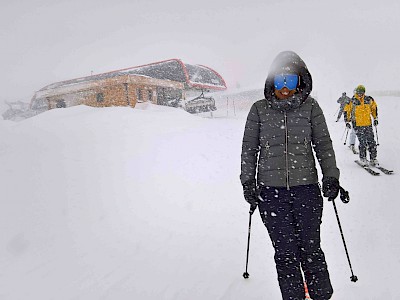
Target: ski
<point x="384" y="170"/>
<point x="366" y="168"/>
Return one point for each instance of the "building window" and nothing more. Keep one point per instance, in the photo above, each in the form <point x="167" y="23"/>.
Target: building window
<point x="61" y="104"/>
<point x="150" y="95"/>
<point x="100" y="97"/>
<point x="139" y="95"/>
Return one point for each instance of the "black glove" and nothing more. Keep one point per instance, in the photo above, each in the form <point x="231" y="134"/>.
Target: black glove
<point x="250" y="193"/>
<point x="348" y="125"/>
<point x="376" y="122"/>
<point x="330" y="187"/>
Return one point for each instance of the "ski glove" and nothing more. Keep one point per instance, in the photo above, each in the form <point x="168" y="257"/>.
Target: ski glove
<point x="375" y="122"/>
<point x="250" y="192"/>
<point x="348" y="125"/>
<point x="330" y="187"/>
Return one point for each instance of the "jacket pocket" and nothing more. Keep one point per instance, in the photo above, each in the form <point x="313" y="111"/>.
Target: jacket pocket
<point x="265" y="154"/>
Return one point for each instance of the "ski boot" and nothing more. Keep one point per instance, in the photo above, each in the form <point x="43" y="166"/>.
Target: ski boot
<point x="374" y="162"/>
<point x="364" y="161"/>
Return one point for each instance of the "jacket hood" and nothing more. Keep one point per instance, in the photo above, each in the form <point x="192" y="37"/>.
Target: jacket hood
<point x="284" y="63"/>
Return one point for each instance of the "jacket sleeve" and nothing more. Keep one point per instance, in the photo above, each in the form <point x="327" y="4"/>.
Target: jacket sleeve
<point x="374" y="109"/>
<point x="345" y="115"/>
<point x="347" y="110"/>
<point x="250" y="146"/>
<point x="322" y="143"/>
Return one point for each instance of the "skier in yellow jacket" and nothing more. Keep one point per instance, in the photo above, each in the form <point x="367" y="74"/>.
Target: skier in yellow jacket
<point x="358" y="113"/>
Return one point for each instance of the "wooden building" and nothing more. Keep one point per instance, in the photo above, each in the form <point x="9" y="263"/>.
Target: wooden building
<point x="169" y="82"/>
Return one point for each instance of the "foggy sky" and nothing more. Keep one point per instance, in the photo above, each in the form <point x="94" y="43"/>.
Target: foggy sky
<point x="344" y="43"/>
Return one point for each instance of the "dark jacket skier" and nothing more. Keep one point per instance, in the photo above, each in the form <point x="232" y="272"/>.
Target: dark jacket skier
<point x="343" y="101"/>
<point x="278" y="174"/>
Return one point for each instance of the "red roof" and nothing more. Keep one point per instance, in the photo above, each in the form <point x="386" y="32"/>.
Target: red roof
<point x="193" y="76"/>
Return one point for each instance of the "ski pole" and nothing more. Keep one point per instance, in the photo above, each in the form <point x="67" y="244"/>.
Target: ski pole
<point x="377" y="138"/>
<point x="252" y="209"/>
<point x="353" y="278"/>
<point x="344" y="131"/>
<point x="347" y="133"/>
<point x="336" y="111"/>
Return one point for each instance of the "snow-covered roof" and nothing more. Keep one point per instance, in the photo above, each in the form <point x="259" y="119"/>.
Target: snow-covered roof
<point x="193" y="76"/>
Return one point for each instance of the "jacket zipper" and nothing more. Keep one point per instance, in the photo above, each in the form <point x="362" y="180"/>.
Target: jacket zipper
<point x="286" y="152"/>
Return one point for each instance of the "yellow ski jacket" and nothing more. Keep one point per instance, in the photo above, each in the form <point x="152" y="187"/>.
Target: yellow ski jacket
<point x="360" y="109"/>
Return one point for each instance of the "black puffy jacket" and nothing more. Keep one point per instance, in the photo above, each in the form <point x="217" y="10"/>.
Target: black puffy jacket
<point x="280" y="135"/>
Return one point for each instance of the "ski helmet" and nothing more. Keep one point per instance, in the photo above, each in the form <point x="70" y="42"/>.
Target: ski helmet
<point x="360" y="89"/>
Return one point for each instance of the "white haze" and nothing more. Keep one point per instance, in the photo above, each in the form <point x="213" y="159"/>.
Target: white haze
<point x="344" y="43"/>
<point x="146" y="203"/>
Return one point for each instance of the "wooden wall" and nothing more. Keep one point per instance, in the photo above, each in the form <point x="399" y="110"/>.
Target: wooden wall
<point x="125" y="90"/>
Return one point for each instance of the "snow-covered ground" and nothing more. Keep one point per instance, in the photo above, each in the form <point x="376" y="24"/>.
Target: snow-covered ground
<point x="146" y="203"/>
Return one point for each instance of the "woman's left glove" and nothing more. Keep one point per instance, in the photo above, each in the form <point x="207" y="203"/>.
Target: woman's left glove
<point x="330" y="187"/>
<point x="250" y="193"/>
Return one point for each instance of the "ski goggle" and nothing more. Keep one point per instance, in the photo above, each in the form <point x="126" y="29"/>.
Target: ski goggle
<point x="288" y="80"/>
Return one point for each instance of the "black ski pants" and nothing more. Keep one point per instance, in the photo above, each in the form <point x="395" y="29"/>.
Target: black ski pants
<point x="293" y="219"/>
<point x="366" y="139"/>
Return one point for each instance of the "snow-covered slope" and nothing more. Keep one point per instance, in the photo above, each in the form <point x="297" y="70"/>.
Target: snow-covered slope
<point x="120" y="203"/>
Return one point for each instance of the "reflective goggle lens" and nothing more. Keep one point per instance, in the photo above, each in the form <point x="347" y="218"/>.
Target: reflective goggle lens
<point x="288" y="80"/>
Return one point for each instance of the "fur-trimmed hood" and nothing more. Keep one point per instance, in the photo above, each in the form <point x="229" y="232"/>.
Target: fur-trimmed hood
<point x="288" y="62"/>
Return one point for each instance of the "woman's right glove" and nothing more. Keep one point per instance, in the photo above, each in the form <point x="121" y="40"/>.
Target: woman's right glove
<point x="249" y="192"/>
<point x="330" y="187"/>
